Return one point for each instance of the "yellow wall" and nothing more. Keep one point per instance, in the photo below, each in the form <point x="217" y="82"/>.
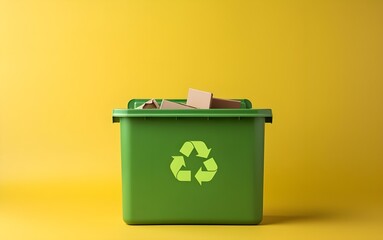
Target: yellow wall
<point x="64" y="65"/>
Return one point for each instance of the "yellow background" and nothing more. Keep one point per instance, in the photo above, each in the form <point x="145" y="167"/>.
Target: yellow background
<point x="65" y="64"/>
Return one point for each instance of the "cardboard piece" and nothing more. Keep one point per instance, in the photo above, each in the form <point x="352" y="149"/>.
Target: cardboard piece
<point x="151" y="104"/>
<point x="224" y="103"/>
<point x="199" y="99"/>
<point x="173" y="105"/>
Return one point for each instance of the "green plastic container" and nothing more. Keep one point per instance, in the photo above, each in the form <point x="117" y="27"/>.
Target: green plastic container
<point x="197" y="166"/>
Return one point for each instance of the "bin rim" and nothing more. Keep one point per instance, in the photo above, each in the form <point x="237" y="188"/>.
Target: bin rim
<point x="245" y="111"/>
<point x="192" y="113"/>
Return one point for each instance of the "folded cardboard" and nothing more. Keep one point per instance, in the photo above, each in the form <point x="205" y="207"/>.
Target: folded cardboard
<point x="196" y="99"/>
<point x="151" y="104"/>
<point x="199" y="99"/>
<point x="173" y="105"/>
<point x="224" y="103"/>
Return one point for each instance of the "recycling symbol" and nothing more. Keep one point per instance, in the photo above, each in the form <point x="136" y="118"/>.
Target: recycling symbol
<point x="202" y="152"/>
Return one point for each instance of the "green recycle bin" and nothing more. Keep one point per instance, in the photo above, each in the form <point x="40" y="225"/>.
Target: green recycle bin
<point x="192" y="166"/>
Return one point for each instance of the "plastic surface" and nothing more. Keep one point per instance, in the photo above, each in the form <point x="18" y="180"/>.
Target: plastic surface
<point x="192" y="166"/>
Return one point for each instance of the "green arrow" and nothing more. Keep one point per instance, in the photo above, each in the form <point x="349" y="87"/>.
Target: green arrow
<point x="210" y="165"/>
<point x="187" y="148"/>
<point x="184" y="176"/>
<point x="201" y="148"/>
<point x="176" y="165"/>
<point x="204" y="176"/>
